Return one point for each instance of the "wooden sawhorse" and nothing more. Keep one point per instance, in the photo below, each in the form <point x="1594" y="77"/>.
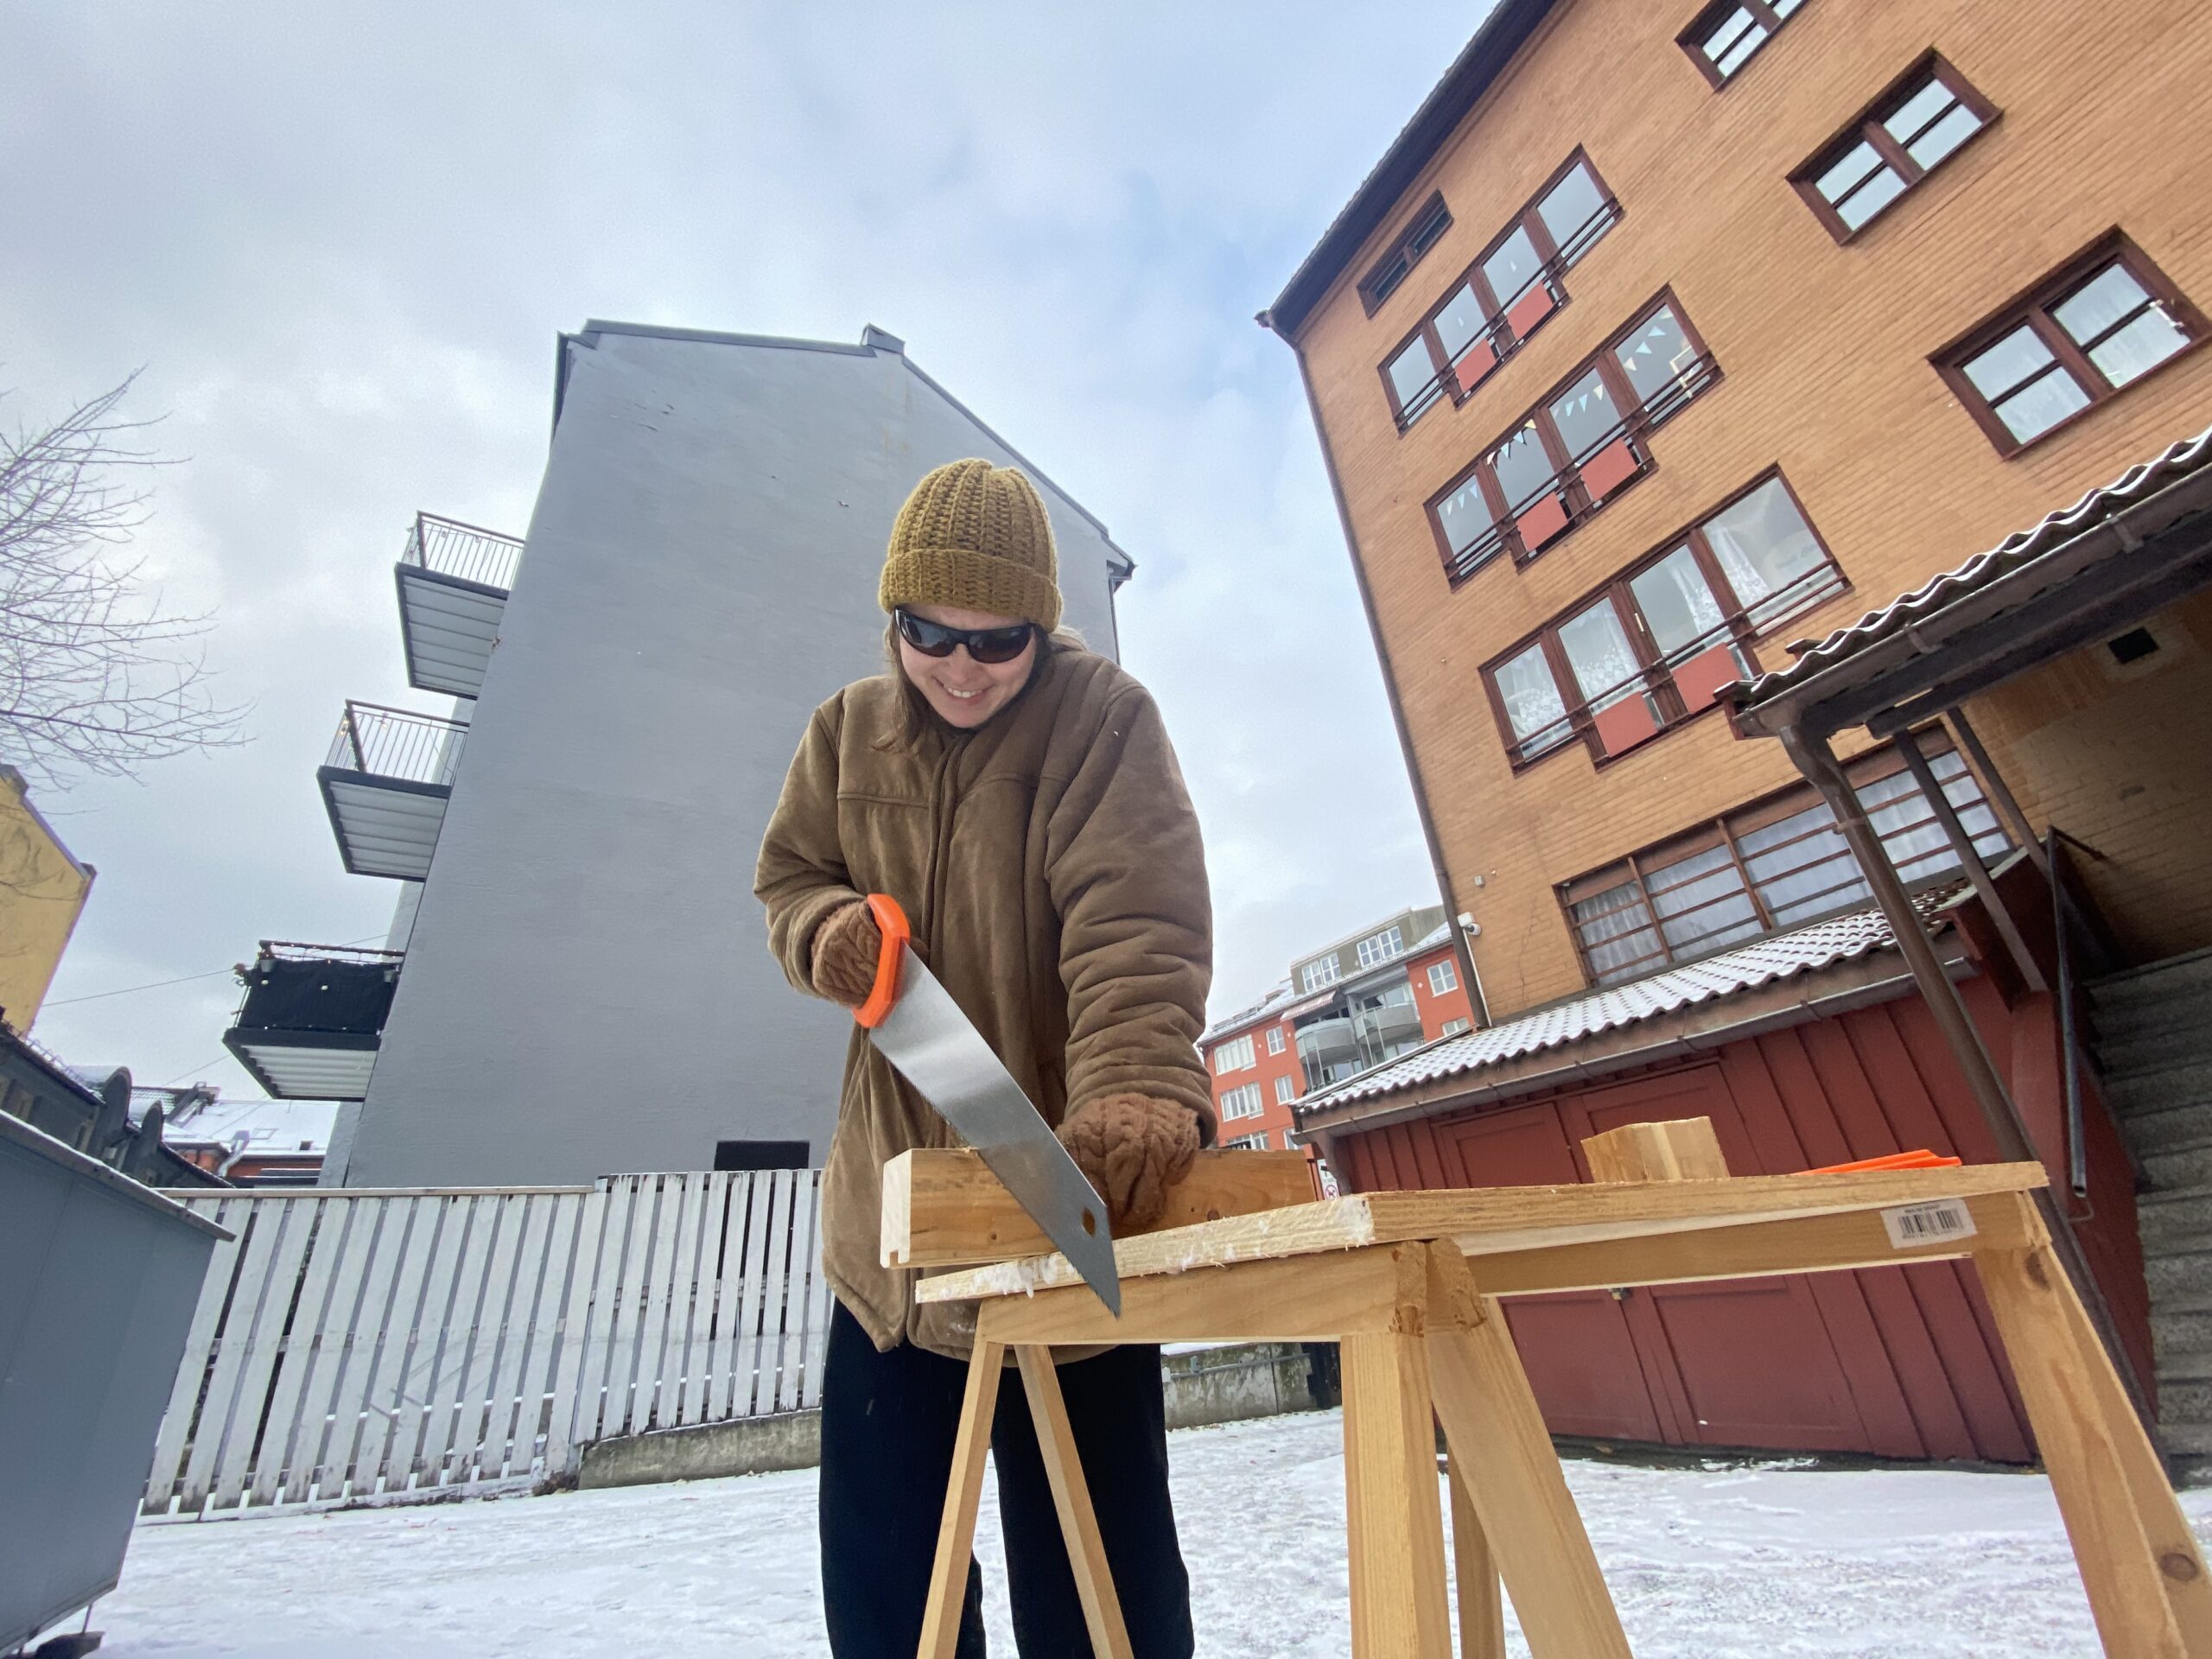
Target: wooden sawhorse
<point x="1407" y="1283"/>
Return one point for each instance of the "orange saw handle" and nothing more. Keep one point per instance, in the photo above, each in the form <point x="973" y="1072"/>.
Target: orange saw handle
<point x="890" y="922"/>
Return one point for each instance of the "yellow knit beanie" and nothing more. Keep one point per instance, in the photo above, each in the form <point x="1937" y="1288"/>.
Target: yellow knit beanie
<point x="975" y="537"/>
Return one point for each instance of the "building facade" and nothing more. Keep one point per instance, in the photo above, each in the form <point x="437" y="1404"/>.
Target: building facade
<point x="578" y="981"/>
<point x="42" y="893"/>
<point x="1382" y="992"/>
<point x="1662" y="348"/>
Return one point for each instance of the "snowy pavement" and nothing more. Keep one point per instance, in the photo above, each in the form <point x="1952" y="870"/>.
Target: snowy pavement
<point x="1713" y="1563"/>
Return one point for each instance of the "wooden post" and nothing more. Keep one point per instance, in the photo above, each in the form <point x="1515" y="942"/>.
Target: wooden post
<point x="1519" y="1495"/>
<point x="2139" y="1562"/>
<point x="956" y="1537"/>
<point x="1482" y="1599"/>
<point x="1684" y="1149"/>
<point x="1094" y="1579"/>
<point x="1399" y="1606"/>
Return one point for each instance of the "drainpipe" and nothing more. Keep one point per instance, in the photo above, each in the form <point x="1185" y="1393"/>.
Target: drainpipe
<point x="1814" y="758"/>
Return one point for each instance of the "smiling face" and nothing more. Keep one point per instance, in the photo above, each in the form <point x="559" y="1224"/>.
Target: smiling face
<point x="964" y="692"/>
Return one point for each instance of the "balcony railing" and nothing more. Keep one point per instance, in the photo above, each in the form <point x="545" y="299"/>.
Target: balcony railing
<point x="312" y="1018"/>
<point x="1520" y="314"/>
<point x="393" y="743"/>
<point x="1571" y="497"/>
<point x="445" y="547"/>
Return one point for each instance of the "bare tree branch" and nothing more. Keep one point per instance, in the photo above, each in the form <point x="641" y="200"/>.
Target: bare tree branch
<point x="96" y="678"/>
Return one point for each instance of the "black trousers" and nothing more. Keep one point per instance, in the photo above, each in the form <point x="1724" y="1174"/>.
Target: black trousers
<point x="888" y="1422"/>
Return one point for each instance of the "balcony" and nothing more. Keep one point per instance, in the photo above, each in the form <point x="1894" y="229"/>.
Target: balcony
<point x="312" y="1018"/>
<point x="385" y="784"/>
<point x="453" y="581"/>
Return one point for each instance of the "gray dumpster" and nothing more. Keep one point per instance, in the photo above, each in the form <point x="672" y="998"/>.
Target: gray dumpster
<point x="99" y="1277"/>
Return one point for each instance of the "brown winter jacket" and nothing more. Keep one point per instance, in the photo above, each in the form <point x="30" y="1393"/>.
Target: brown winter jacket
<point x="1049" y="862"/>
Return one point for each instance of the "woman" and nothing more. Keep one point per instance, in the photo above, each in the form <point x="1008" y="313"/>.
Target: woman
<point x="1017" y="795"/>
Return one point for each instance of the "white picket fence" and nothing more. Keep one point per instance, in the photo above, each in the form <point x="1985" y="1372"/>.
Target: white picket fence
<point x="356" y="1345"/>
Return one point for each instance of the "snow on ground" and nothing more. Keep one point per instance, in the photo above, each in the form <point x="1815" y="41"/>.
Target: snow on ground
<point x="1709" y="1563"/>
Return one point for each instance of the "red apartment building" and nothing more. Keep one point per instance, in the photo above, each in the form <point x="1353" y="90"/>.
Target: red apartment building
<point x="1381" y="993"/>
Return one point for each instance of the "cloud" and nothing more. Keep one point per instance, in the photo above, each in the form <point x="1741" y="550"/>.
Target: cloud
<point x="343" y="238"/>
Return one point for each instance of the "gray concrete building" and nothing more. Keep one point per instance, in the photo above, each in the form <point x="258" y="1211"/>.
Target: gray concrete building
<point x="583" y="983"/>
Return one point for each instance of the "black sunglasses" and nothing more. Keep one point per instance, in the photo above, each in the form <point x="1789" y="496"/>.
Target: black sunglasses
<point x="984" y="645"/>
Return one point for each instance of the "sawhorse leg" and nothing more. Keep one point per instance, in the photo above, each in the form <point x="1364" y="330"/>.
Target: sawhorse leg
<point x="955" y="1535"/>
<point x="1395" y="1522"/>
<point x="1094" y="1580"/>
<point x="1482" y="1599"/>
<point x="2137" y="1559"/>
<point x="1520" y="1496"/>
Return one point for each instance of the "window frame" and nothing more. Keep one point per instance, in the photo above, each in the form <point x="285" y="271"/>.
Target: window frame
<point x="1274" y="1040"/>
<point x="1496" y="331"/>
<point x="1737" y="630"/>
<point x="1702" y="26"/>
<point x="1454" y="1027"/>
<point x="1728" y="829"/>
<point x="1237" y="1051"/>
<point x="1388" y="945"/>
<point x="1408" y="245"/>
<point x="2032" y="307"/>
<point x="1868" y="126"/>
<point x="1633" y="427"/>
<point x="1285" y="1089"/>
<point x="1452" y="977"/>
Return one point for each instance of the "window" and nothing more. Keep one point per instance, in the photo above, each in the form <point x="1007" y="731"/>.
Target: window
<point x="1286" y="1090"/>
<point x="1442" y="977"/>
<point x="1381" y="947"/>
<point x="1274" y="1040"/>
<point x="1576" y="450"/>
<point x="1315" y="975"/>
<point x="1454" y="1027"/>
<point x="1390" y="271"/>
<point x="1727" y="34"/>
<point x="1243" y="1101"/>
<point x="1774" y="865"/>
<point x="1233" y="1057"/>
<point x="1656" y="645"/>
<point x="1250" y="1142"/>
<point x="1504" y="297"/>
<point x="2102" y="323"/>
<point x="1903" y="136"/>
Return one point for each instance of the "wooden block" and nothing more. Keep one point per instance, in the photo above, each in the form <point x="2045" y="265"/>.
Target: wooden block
<point x="1483" y="1220"/>
<point x="1393" y="1519"/>
<point x="1382" y="1289"/>
<point x="1094" y="1580"/>
<point x="2138" y="1561"/>
<point x="945" y="1208"/>
<point x="956" y="1537"/>
<point x="1684" y="1149"/>
<point x="1497" y="1437"/>
<point x="1482" y="1597"/>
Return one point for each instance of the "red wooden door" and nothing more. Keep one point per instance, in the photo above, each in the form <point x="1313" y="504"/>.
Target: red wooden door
<point x="1579" y="1354"/>
<point x="1737" y="1362"/>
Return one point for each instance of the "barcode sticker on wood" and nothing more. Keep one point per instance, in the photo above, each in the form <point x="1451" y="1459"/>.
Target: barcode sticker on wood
<point x="1912" y="1224"/>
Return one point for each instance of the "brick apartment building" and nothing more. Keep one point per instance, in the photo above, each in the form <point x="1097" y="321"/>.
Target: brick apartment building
<point x="1345" y="1009"/>
<point x="1662" y="338"/>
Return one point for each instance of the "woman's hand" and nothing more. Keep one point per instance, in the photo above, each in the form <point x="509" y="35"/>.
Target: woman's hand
<point x="1132" y="1148"/>
<point x="847" y="947"/>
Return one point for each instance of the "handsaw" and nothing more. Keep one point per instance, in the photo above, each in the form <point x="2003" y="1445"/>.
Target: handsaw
<point x="915" y="1024"/>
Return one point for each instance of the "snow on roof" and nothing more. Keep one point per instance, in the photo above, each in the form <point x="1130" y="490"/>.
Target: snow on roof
<point x="291" y="1126"/>
<point x="1272" y="1002"/>
<point x="1807" y="949"/>
<point x="1443" y="932"/>
<point x="2016" y="551"/>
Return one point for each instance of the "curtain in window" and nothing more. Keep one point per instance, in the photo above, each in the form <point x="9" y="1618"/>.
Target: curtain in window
<point x="1678" y="604"/>
<point x="1764" y="545"/>
<point x="1532" y="700"/>
<point x="1597" y="649"/>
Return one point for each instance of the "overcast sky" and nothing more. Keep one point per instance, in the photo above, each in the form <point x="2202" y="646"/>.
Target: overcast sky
<point x="341" y="241"/>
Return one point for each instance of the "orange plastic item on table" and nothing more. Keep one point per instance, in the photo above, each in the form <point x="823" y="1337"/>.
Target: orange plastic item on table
<point x="1923" y="1158"/>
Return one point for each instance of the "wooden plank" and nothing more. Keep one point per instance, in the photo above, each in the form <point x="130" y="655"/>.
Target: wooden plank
<point x="460" y="1240"/>
<point x="956" y="1537"/>
<point x="662" y="1285"/>
<point x="174" y="1440"/>
<point x="763" y="1329"/>
<point x="594" y="1226"/>
<point x="610" y="1351"/>
<point x="944" y="1208"/>
<point x="823" y="1302"/>
<point x="1498" y="1436"/>
<point x="1486" y="1219"/>
<point x="570" y="1244"/>
<point x="394" y="1341"/>
<point x="485" y="1446"/>
<point x="1681" y="1149"/>
<point x="467" y="1333"/>
<point x="805" y="1336"/>
<point x="349" y="1258"/>
<point x="696" y="1253"/>
<point x="1807" y="1245"/>
<point x="1482" y="1597"/>
<point x="244" y="1354"/>
<point x="750" y="1270"/>
<point x="1394" y="1522"/>
<point x="301" y="1349"/>
<point x="1094" y="1578"/>
<point x="2083" y="1447"/>
<point x="349" y="1397"/>
<point x="1379" y="1290"/>
<point x="458" y="1452"/>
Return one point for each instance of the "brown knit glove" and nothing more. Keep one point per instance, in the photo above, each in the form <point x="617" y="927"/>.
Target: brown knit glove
<point x="1132" y="1148"/>
<point x="846" y="950"/>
